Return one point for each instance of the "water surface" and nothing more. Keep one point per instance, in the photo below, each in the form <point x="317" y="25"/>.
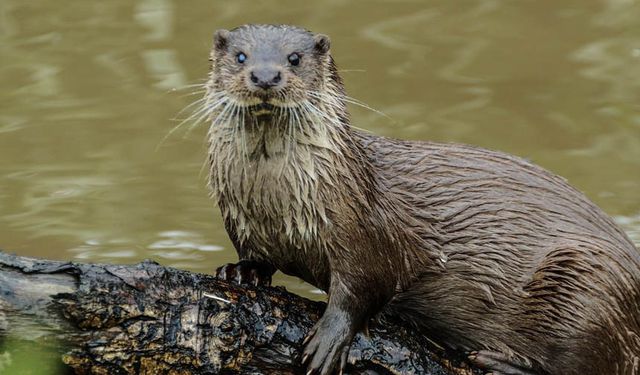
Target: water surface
<point x="90" y="90"/>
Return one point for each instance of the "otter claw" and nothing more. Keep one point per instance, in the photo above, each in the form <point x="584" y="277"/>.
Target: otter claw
<point x="310" y="334"/>
<point x="246" y="272"/>
<point x="343" y="359"/>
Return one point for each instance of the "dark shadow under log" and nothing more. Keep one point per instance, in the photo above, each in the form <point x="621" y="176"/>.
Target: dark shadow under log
<point x="149" y="319"/>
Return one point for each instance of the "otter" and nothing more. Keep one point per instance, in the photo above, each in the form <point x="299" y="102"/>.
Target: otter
<point x="484" y="253"/>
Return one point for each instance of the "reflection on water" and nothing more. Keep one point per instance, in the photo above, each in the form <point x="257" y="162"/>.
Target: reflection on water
<point x="19" y="355"/>
<point x="90" y="90"/>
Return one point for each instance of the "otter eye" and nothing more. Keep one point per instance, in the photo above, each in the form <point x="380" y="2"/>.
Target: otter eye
<point x="294" y="59"/>
<point x="241" y="57"/>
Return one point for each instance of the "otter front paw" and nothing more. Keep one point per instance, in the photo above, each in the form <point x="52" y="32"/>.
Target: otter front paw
<point x="327" y="345"/>
<point x="246" y="272"/>
<point x="499" y="364"/>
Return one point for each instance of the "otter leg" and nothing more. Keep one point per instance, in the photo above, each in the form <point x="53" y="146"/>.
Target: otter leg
<point x="348" y="310"/>
<point x="499" y="364"/>
<point x="246" y="272"/>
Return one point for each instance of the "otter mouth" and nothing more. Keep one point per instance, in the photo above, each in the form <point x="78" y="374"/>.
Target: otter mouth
<point x="262" y="109"/>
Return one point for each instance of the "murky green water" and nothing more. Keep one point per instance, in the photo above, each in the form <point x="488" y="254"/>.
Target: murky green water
<point x="89" y="89"/>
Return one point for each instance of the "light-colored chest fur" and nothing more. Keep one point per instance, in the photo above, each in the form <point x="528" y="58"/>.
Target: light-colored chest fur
<point x="269" y="183"/>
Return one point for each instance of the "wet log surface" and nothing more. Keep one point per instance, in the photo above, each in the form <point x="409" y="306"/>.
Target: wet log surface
<point x="150" y="319"/>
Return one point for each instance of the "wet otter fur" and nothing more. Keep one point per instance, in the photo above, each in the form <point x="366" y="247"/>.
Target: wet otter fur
<point x="482" y="252"/>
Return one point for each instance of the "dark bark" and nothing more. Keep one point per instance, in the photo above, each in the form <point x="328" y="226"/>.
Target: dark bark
<point x="149" y="319"/>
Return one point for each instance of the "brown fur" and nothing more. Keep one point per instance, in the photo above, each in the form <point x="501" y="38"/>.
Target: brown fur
<point x="477" y="249"/>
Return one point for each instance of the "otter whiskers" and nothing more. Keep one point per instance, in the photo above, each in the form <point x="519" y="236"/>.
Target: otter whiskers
<point x="204" y="107"/>
<point x="333" y="97"/>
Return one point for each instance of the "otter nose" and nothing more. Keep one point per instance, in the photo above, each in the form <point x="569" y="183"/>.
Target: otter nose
<point x="266" y="78"/>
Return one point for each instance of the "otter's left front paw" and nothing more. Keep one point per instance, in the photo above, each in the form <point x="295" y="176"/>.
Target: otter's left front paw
<point x="327" y="345"/>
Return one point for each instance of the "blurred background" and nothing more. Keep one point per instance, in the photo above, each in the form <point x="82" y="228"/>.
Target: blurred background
<point x="91" y="89"/>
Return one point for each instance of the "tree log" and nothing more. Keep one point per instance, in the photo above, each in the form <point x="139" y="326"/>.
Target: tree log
<point x="149" y="319"/>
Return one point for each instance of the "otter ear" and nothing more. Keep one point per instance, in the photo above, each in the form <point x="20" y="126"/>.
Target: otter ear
<point x="220" y="39"/>
<point x="323" y="43"/>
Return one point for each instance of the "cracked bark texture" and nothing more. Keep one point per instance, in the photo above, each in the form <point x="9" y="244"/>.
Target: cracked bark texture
<point x="150" y="319"/>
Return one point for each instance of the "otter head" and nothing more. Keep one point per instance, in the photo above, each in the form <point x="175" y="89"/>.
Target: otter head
<point x="261" y="69"/>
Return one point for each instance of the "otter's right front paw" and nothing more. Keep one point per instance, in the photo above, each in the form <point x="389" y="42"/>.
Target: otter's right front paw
<point x="246" y="272"/>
